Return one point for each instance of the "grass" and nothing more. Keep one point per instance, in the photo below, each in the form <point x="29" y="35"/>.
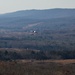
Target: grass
<point x="37" y="68"/>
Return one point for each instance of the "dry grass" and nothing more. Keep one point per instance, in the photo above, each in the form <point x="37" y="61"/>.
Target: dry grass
<point x="43" y="67"/>
<point x="67" y="61"/>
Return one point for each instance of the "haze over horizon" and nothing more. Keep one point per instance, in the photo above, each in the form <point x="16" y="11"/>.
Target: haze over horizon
<point x="14" y="5"/>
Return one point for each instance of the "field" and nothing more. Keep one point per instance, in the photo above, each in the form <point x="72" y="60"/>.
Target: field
<point x="33" y="67"/>
<point x="67" y="61"/>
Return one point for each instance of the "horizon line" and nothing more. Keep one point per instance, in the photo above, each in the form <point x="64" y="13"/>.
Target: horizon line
<point x="32" y="9"/>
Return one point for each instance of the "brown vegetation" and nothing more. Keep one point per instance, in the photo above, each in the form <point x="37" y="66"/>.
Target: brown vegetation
<point x="67" y="61"/>
<point x="37" y="68"/>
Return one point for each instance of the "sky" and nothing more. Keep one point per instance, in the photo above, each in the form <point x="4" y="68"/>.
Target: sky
<point x="16" y="5"/>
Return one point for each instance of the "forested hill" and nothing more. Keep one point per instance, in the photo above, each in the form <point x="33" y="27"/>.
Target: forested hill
<point x="50" y="29"/>
<point x="42" y="14"/>
<point x="51" y="19"/>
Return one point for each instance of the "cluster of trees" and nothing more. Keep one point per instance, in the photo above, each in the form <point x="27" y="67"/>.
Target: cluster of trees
<point x="40" y="41"/>
<point x="38" y="55"/>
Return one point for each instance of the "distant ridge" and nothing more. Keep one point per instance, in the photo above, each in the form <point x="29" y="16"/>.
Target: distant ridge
<point x="42" y="14"/>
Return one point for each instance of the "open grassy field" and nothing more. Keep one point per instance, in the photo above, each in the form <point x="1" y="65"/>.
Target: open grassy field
<point x="45" y="67"/>
<point x="66" y="61"/>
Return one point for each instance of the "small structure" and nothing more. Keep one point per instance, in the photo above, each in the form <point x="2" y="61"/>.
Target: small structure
<point x="34" y="31"/>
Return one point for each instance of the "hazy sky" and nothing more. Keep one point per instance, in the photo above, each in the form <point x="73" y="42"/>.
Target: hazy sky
<point x="14" y="5"/>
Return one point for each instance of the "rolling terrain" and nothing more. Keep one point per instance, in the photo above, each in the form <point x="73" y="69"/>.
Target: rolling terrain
<point x="37" y="42"/>
<point x="44" y="30"/>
